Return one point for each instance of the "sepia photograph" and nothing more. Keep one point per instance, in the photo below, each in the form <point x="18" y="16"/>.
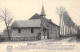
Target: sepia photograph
<point x="39" y="25"/>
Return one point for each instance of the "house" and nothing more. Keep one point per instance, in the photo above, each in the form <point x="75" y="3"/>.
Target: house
<point x="38" y="27"/>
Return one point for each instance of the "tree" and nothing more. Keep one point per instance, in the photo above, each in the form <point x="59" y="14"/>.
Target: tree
<point x="65" y="20"/>
<point x="60" y="13"/>
<point x="7" y="18"/>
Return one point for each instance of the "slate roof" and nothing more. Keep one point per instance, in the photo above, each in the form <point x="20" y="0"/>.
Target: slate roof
<point x="26" y="23"/>
<point x="36" y="16"/>
<point x="34" y="21"/>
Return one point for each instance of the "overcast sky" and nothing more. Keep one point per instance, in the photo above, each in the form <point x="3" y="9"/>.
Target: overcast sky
<point x="24" y="9"/>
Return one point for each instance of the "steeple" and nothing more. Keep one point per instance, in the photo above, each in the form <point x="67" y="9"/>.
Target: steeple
<point x="42" y="11"/>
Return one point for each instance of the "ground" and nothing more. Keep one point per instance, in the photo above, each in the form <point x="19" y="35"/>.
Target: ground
<point x="67" y="39"/>
<point x="4" y="45"/>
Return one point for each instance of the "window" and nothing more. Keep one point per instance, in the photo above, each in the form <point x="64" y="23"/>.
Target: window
<point x="32" y="30"/>
<point x="19" y="30"/>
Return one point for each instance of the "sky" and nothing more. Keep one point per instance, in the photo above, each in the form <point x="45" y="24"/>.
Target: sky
<point x="24" y="9"/>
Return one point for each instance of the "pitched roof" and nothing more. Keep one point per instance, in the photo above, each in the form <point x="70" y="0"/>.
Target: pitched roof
<point x="36" y="16"/>
<point x="26" y="23"/>
<point x="52" y="23"/>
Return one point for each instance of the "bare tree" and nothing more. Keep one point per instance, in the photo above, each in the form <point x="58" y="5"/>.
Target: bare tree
<point x="66" y="23"/>
<point x="7" y="18"/>
<point x="60" y="13"/>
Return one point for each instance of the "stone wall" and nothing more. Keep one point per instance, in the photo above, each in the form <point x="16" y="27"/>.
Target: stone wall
<point x="25" y="34"/>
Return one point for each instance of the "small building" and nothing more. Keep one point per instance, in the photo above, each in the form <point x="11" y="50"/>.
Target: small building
<point x="38" y="27"/>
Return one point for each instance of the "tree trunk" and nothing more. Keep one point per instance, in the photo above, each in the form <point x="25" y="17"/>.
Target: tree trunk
<point x="8" y="32"/>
